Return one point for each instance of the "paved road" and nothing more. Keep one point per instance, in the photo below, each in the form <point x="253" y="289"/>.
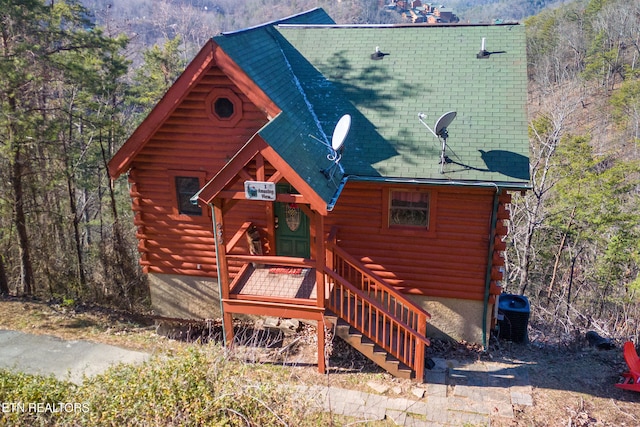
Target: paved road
<point x="67" y="360"/>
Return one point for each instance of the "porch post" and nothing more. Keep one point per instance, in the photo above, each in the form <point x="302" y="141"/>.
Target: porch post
<point x="420" y="347"/>
<point x="320" y="292"/>
<point x="271" y="228"/>
<point x="320" y="257"/>
<point x="223" y="269"/>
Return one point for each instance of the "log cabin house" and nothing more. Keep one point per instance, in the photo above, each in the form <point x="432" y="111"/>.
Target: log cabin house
<point x="245" y="203"/>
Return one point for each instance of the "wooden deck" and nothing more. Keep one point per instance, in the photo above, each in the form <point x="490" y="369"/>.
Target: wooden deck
<point x="275" y="290"/>
<point x="286" y="287"/>
<point x="278" y="282"/>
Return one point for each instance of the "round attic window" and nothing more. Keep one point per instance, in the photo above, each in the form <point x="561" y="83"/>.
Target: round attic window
<point x="224" y="107"/>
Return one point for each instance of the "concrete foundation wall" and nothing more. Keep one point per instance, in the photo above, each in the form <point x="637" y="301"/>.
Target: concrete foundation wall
<point x="184" y="297"/>
<point x="189" y="297"/>
<point x="455" y="318"/>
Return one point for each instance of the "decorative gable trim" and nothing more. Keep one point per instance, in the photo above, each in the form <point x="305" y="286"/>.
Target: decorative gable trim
<point x="233" y="169"/>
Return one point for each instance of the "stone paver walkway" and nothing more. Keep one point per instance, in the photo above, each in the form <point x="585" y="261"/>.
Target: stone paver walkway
<point x="455" y="394"/>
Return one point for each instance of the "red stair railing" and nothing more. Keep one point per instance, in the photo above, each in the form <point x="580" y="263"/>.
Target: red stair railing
<point x="373" y="307"/>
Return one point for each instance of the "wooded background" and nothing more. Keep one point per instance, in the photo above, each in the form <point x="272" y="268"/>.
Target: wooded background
<point x="76" y="78"/>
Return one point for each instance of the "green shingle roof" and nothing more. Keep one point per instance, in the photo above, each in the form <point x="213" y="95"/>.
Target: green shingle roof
<point x="317" y="73"/>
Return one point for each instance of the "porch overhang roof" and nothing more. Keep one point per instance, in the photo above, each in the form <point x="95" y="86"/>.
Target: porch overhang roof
<point x="255" y="146"/>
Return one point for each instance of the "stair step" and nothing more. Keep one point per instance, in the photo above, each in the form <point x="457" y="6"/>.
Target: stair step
<point x="368" y="348"/>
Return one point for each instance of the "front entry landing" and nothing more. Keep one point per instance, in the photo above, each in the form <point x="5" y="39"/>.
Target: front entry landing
<point x="278" y="282"/>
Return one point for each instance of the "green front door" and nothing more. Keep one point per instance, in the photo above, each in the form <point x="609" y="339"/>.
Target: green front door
<point x="292" y="234"/>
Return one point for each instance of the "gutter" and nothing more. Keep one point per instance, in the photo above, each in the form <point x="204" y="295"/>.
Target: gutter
<point x="513" y="186"/>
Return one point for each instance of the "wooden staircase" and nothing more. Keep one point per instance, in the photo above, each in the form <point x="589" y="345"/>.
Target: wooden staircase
<point x="372" y="316"/>
<point x="368" y="348"/>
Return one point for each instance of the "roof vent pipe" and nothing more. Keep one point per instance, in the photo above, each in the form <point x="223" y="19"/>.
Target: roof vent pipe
<point x="378" y="55"/>
<point x="483" y="52"/>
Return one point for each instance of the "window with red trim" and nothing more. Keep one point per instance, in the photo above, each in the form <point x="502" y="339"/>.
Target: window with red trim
<point x="409" y="209"/>
<point x="224" y="106"/>
<point x="186" y="188"/>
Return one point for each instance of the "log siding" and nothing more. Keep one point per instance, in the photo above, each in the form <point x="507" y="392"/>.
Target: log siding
<point x="188" y="143"/>
<point x="448" y="259"/>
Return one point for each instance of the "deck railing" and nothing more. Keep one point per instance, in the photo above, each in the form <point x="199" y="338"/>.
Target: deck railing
<point x="358" y="296"/>
<point x="372" y="306"/>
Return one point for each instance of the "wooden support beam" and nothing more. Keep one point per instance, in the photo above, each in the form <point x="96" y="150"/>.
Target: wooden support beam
<point x="236" y="238"/>
<point x="420" y="349"/>
<point x="277" y="175"/>
<point x="223" y="276"/>
<point x="265" y="308"/>
<point x="284" y="198"/>
<point x="275" y="260"/>
<point x="322" y="360"/>
<point x="320" y="256"/>
<point x="271" y="229"/>
<point x="242" y="173"/>
<point x="259" y="168"/>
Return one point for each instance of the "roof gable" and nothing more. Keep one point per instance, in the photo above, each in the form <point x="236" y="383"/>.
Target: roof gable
<point x="192" y="74"/>
<point x="305" y="77"/>
<point x="208" y="56"/>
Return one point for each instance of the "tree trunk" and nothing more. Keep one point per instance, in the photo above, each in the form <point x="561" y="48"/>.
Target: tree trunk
<point x="559" y="253"/>
<point x="525" y="261"/>
<point x="76" y="231"/>
<point x="26" y="267"/>
<point x="4" y="283"/>
<point x="73" y="205"/>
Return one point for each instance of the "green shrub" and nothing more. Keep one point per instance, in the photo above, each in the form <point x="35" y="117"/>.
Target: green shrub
<point x="196" y="387"/>
<point x="32" y="400"/>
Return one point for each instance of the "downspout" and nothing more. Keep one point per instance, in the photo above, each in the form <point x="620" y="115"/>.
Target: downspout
<point x="216" y="241"/>
<point x="487" y="280"/>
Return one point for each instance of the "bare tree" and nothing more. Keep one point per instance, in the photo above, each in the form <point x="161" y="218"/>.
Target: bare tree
<point x="528" y="213"/>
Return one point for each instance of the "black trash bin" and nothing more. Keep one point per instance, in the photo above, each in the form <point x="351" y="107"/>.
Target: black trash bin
<point x="513" y="317"/>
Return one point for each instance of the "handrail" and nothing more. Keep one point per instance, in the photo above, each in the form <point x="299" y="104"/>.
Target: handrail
<point x="375" y="304"/>
<point x="272" y="259"/>
<point x="363" y="299"/>
<point x="377" y="279"/>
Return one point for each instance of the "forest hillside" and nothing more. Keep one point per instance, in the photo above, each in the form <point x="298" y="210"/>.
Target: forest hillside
<point x="76" y="78"/>
<point x="574" y="239"/>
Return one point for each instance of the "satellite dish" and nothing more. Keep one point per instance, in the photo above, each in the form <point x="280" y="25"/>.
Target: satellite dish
<point x="440" y="131"/>
<point x="443" y="122"/>
<point x="337" y="141"/>
<point x="340" y="132"/>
